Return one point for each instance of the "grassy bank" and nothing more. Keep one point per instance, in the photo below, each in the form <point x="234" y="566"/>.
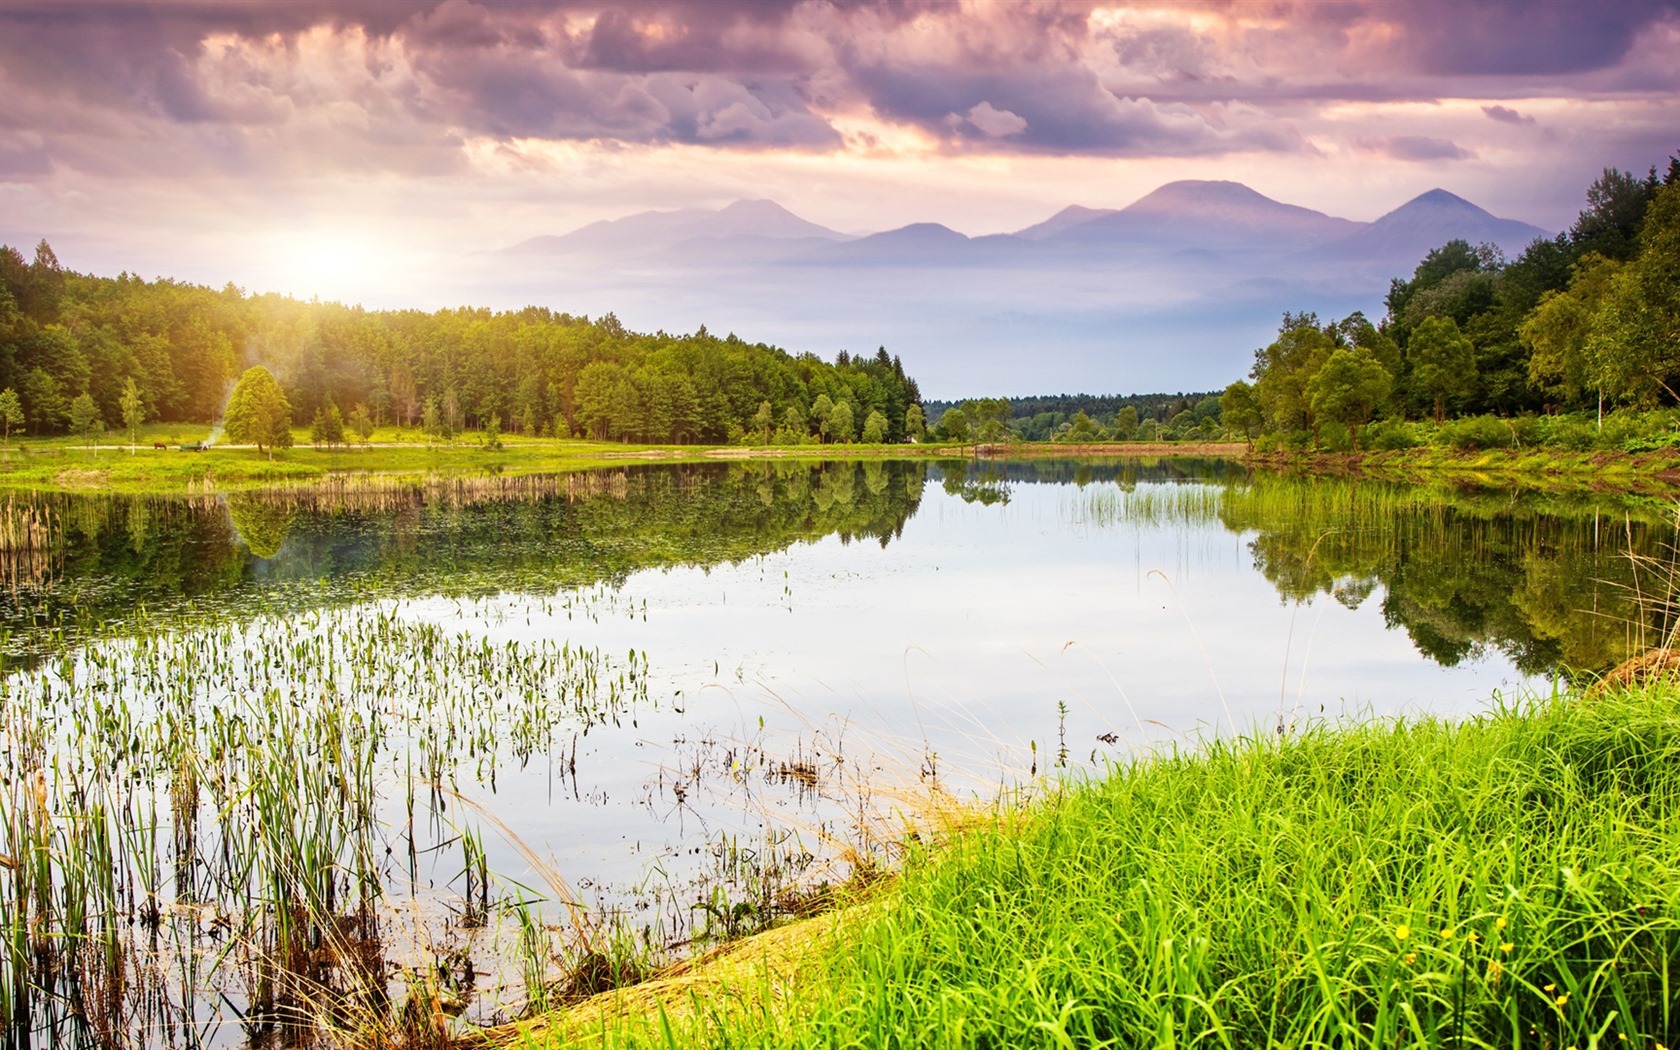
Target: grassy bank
<point x="1509" y="880"/>
<point x="158" y="463"/>
<point x="1655" y="473"/>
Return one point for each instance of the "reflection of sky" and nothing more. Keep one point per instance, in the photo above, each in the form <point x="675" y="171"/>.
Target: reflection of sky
<point x="965" y="633"/>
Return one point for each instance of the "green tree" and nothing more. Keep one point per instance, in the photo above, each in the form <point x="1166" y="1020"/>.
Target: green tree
<point x="1239" y="407"/>
<point x="989" y="418"/>
<point x="1443" y="363"/>
<point x="327" y="428"/>
<point x="493" y="433"/>
<point x="1557" y="330"/>
<point x="361" y="423"/>
<point x="1636" y="331"/>
<point x="764" y="419"/>
<point x="11" y="413"/>
<point x="85" y="419"/>
<point x="794" y="422"/>
<point x="1283" y="368"/>
<point x="915" y="423"/>
<point x="1126" y="423"/>
<point x="133" y="412"/>
<point x="954" y="425"/>
<point x="258" y="412"/>
<point x="431" y="421"/>
<point x="821" y="409"/>
<point x="1351" y="385"/>
<point x="874" y="428"/>
<point x="841" y="425"/>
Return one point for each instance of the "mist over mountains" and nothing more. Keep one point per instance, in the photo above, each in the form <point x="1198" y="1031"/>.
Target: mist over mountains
<point x="1171" y="292"/>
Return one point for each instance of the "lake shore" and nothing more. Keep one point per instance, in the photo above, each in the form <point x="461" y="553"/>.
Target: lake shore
<point x="156" y="465"/>
<point x="1507" y="879"/>
<point x="1651" y="473"/>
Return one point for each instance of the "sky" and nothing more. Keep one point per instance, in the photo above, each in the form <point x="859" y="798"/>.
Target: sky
<point x="359" y="150"/>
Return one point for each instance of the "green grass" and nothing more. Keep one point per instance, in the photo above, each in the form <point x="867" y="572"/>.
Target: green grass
<point x="67" y="463"/>
<point x="1512" y="880"/>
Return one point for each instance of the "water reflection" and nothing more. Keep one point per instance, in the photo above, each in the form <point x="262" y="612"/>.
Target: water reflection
<point x="1552" y="583"/>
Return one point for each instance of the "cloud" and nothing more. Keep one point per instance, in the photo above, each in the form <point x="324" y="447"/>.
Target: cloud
<point x="368" y="85"/>
<point x="1415" y="148"/>
<point x="1506" y="115"/>
<point x="995" y="123"/>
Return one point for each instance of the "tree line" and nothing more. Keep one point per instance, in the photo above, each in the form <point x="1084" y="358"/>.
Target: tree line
<point x="73" y="346"/>
<point x="1576" y="323"/>
<point x="1078" y="417"/>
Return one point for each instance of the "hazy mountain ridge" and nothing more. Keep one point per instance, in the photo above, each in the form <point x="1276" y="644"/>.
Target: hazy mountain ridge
<point x="1176" y="289"/>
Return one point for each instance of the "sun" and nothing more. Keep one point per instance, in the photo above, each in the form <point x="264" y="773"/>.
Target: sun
<point x="324" y="264"/>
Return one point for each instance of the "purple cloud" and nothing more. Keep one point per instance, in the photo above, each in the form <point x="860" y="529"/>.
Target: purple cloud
<point x="409" y="82"/>
<point x="1506" y="115"/>
<point x="1415" y="147"/>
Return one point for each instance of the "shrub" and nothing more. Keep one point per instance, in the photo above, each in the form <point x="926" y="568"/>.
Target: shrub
<point x="1477" y="432"/>
<point x="1389" y="435"/>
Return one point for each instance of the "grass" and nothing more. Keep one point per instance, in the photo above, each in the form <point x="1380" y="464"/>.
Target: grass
<point x="69" y="464"/>
<point x="1508" y="881"/>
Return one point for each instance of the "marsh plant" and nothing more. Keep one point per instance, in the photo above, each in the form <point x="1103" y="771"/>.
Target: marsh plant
<point x="249" y="828"/>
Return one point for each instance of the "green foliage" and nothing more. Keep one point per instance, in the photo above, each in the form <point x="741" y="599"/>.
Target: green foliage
<point x="361" y="423"/>
<point x="11" y="413"/>
<point x="1508" y="880"/>
<point x="1442" y="364"/>
<point x="63" y="334"/>
<point x="327" y="428"/>
<point x="841" y="426"/>
<point x="1575" y="321"/>
<point x="1283" y="369"/>
<point x="914" y="424"/>
<point x="133" y="410"/>
<point x="1390" y="435"/>
<point x="1636" y="330"/>
<point x="874" y="428"/>
<point x="85" y="420"/>
<point x="258" y="412"/>
<point x="1348" y="388"/>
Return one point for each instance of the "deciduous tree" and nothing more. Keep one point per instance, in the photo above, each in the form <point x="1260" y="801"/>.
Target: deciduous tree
<point x="258" y="412"/>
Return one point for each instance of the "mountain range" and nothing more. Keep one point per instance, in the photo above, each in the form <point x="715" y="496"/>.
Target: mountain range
<point x="1173" y="291"/>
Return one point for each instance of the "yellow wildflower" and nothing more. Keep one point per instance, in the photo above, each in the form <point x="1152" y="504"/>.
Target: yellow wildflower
<point x="1402" y="931"/>
<point x="1499" y="923"/>
<point x="1494" y="972"/>
<point x="1471" y="938"/>
<point x="1562" y="999"/>
<point x="1411" y="957"/>
<point x="1446" y="933"/>
<point x="1506" y="947"/>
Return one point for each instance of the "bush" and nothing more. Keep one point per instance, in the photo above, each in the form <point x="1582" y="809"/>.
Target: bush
<point x="1477" y="432"/>
<point x="1390" y="435"/>
<point x="1571" y="433"/>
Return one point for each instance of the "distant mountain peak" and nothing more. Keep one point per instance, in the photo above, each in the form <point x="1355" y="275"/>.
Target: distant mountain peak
<point x="1175" y="195"/>
<point x="1069" y="217"/>
<point x="1442" y="199"/>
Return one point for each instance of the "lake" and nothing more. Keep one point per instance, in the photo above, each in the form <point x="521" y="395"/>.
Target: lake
<point x="338" y="744"/>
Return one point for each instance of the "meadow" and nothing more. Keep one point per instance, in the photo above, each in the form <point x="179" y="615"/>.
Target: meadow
<point x="1509" y="880"/>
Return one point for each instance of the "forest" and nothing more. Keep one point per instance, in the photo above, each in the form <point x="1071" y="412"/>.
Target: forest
<point x="1492" y="349"/>
<point x="79" y="352"/>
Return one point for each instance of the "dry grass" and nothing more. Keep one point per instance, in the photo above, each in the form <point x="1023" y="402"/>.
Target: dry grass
<point x="766" y="967"/>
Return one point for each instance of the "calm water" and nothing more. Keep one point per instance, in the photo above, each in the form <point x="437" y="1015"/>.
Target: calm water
<point x="814" y="642"/>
